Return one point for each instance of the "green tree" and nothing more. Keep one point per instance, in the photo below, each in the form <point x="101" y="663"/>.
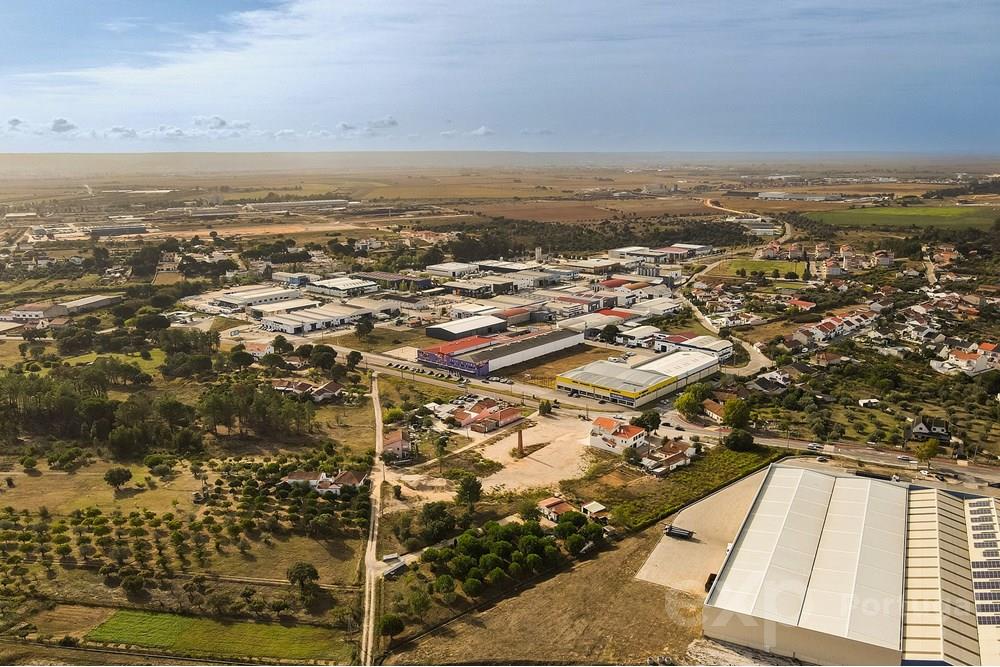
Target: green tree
<point x="738" y="440"/>
<point x="363" y="327"/>
<point x="390" y="625"/>
<point x="302" y="574"/>
<point x="649" y="420"/>
<point x="281" y="345"/>
<point x="116" y="477"/>
<point x="353" y="359"/>
<point x="609" y="333"/>
<point x="544" y="407"/>
<point x="688" y="404"/>
<point x="470" y="490"/>
<point x="736" y="413"/>
<point x="927" y="450"/>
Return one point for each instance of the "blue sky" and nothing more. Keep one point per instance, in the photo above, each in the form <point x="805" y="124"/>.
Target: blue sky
<point x="131" y="75"/>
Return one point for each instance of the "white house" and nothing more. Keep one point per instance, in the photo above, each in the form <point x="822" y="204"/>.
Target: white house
<point x="616" y="435"/>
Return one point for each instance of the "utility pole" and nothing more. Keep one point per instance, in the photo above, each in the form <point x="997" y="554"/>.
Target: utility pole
<point x="520" y="443"/>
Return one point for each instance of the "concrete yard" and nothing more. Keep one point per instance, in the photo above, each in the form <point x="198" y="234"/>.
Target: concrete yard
<point x="562" y="458"/>
<point x="686" y="564"/>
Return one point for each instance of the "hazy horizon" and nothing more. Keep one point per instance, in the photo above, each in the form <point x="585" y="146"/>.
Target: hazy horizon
<point x="165" y="163"/>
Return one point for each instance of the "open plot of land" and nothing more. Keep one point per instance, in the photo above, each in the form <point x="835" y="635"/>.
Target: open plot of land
<point x="74" y="620"/>
<point x="395" y="391"/>
<point x="156" y="359"/>
<point x="207" y="637"/>
<point x="61" y="492"/>
<point x="686" y="564"/>
<point x="561" y="457"/>
<point x="646" y="499"/>
<point x="543" y="371"/>
<point x="353" y="426"/>
<point x="336" y="559"/>
<point x="729" y="268"/>
<point x="550" y="211"/>
<point x="381" y="340"/>
<point x="913" y="216"/>
<point x="598" y="613"/>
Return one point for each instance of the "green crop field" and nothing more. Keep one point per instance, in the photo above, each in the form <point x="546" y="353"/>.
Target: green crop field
<point x="207" y="637"/>
<point x="912" y="216"/>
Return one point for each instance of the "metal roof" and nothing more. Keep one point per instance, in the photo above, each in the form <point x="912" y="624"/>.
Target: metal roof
<point x="821" y="552"/>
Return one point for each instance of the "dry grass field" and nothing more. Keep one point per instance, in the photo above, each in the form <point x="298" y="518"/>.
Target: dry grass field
<point x="543" y="371"/>
<point x="74" y="620"/>
<point x="550" y="211"/>
<point x="338" y="560"/>
<point x="558" y="622"/>
<point x="61" y="492"/>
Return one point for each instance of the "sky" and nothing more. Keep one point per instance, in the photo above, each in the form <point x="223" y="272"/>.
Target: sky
<point x="532" y="75"/>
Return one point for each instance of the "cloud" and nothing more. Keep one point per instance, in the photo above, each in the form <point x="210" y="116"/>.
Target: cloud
<point x="346" y="127"/>
<point x="123" y="24"/>
<point x="383" y="123"/>
<point x="481" y="131"/>
<point x="123" y="132"/>
<point x="61" y="126"/>
<point x="14" y="124"/>
<point x="539" y="132"/>
<point x="285" y="134"/>
<point x="447" y="134"/>
<point x="220" y="123"/>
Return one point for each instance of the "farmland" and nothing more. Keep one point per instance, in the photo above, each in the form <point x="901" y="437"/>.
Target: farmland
<point x="188" y="635"/>
<point x="913" y="217"/>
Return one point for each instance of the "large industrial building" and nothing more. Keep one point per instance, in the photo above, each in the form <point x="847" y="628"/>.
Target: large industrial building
<point x="483" y="356"/>
<point x="477" y="325"/>
<point x="638" y="385"/>
<point x="239" y="298"/>
<point x="342" y="287"/>
<point x="303" y="321"/>
<point x="832" y="568"/>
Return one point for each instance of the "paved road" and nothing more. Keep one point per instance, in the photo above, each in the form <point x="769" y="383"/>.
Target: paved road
<point x="852" y="450"/>
<point x="372" y="570"/>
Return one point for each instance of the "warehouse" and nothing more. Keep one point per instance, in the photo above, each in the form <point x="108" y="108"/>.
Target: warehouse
<point x="482" y="356"/>
<point x="290" y="306"/>
<point x="467" y="326"/>
<point x="342" y="287"/>
<point x="314" y="319"/>
<point x="451" y="269"/>
<point x="663" y="305"/>
<point x="832" y="568"/>
<point x="394" y="280"/>
<point x="240" y="298"/>
<point x="636" y="386"/>
<point x="469" y="288"/>
<point x="637" y="336"/>
<point x="720" y="347"/>
<point x="88" y="303"/>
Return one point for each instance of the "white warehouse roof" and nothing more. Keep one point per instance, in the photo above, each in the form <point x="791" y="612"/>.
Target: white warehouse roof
<point x="468" y="324"/>
<point x="823" y="553"/>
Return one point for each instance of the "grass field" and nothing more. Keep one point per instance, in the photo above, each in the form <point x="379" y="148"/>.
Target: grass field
<point x="395" y="391"/>
<point x="335" y="559"/>
<point x="207" y="637"/>
<point x="558" y="622"/>
<point x="382" y="340"/>
<point x="759" y="265"/>
<point x="636" y="500"/>
<point x="151" y="365"/>
<point x="61" y="493"/>
<point x="913" y="216"/>
<point x="543" y="371"/>
<point x="353" y="426"/>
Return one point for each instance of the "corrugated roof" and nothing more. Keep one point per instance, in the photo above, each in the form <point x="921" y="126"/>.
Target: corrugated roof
<point x="821" y="552"/>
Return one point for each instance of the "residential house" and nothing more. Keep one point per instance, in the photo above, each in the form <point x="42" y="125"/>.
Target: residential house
<point x="924" y="428"/>
<point x="713" y="410"/>
<point x="616" y="435"/>
<point x="553" y="508"/>
<point x="397" y="444"/>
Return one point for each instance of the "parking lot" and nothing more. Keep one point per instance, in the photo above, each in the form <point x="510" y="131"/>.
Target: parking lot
<point x="686" y="564"/>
